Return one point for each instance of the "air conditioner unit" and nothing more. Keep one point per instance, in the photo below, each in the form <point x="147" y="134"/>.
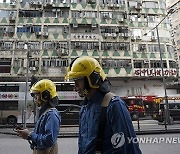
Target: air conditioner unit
<point x="117" y="30"/>
<point x="121" y="19"/>
<point x="138" y="38"/>
<point x="126" y="35"/>
<point x="121" y="34"/>
<point x="108" y="34"/>
<point x="105" y="34"/>
<point x="39" y="3"/>
<point x="13" y="3"/>
<point x="11" y="13"/>
<point x="12" y="18"/>
<point x="116" y="5"/>
<point x="10" y="30"/>
<point x="114" y="35"/>
<point x="75" y="36"/>
<point x="32" y="68"/>
<point x="153" y="38"/>
<point x="38" y="33"/>
<point x="133" y="38"/>
<point x="45" y="34"/>
<point x="64" y="2"/>
<point x="75" y="25"/>
<point x="122" y="44"/>
<point x="96" y="45"/>
<point x="93" y="25"/>
<point x="146" y="61"/>
<point x="62" y="51"/>
<point x="106" y="16"/>
<point x="77" y="44"/>
<point x="109" y="44"/>
<point x="138" y="6"/>
<point x="110" y="5"/>
<point x="143" y="46"/>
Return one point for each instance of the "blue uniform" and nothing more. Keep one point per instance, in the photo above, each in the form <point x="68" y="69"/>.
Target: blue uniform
<point x="46" y="130"/>
<point x="119" y="132"/>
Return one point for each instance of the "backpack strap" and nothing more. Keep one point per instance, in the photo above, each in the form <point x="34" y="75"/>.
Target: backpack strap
<point x="47" y="110"/>
<point x="102" y="122"/>
<point x="107" y="99"/>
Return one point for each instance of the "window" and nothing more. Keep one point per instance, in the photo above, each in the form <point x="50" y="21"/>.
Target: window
<point x="170" y="49"/>
<point x="33" y="63"/>
<point x="157" y="64"/>
<point x="35" y="45"/>
<point x="9" y="105"/>
<point x="7" y="45"/>
<point x="54" y="62"/>
<point x="114" y="63"/>
<point x="65" y="87"/>
<point x="138" y="64"/>
<point x="47" y="45"/>
<point x="9" y="88"/>
<point x="142" y="47"/>
<point x="5" y="65"/>
<point x="19" y="45"/>
<point x="155" y="48"/>
<point x="150" y="4"/>
<point x="28" y="28"/>
<point x="30" y="13"/>
<point x="172" y="64"/>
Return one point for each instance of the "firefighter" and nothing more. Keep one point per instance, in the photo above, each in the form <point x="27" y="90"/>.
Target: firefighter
<point x="43" y="140"/>
<point x="103" y="128"/>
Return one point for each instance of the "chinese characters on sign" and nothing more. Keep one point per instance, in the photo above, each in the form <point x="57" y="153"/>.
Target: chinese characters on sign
<point x="154" y="72"/>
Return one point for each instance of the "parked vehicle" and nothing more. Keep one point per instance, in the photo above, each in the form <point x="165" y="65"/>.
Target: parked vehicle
<point x="135" y="107"/>
<point x="174" y="111"/>
<point x="9" y="112"/>
<point x="12" y="100"/>
<point x="69" y="114"/>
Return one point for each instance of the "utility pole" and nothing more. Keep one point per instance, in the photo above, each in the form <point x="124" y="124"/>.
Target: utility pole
<point x="166" y="115"/>
<point x="27" y="48"/>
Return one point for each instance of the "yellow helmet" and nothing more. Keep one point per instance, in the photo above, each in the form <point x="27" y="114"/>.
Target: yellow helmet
<point x="46" y="88"/>
<point x="86" y="67"/>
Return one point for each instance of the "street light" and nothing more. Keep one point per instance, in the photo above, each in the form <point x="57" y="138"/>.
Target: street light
<point x="26" y="48"/>
<point x="167" y="116"/>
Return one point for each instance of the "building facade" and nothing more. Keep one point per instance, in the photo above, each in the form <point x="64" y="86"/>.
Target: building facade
<point x="50" y="33"/>
<point x="175" y="22"/>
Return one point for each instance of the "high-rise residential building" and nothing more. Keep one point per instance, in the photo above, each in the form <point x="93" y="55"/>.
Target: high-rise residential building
<point x="175" y="22"/>
<point x="53" y="32"/>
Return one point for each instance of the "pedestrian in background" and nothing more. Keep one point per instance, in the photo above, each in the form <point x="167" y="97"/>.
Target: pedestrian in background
<point x="43" y="140"/>
<point x="105" y="123"/>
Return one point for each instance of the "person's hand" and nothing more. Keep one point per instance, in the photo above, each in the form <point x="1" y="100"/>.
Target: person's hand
<point x="23" y="133"/>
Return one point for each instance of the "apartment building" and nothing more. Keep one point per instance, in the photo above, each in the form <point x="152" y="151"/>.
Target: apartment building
<point x="175" y="21"/>
<point x="49" y="34"/>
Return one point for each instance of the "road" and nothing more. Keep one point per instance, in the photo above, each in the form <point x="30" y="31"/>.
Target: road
<point x="13" y="145"/>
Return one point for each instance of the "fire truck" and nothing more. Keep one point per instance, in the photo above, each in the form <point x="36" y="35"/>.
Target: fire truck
<point x="135" y="107"/>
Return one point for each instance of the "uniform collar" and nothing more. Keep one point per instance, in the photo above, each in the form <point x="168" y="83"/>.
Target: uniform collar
<point x="43" y="109"/>
<point x="97" y="98"/>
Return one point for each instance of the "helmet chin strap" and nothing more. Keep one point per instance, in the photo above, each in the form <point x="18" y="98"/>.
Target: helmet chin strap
<point x="85" y="92"/>
<point x="86" y="87"/>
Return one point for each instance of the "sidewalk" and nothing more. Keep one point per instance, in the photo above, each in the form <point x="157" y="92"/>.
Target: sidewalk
<point x="64" y="131"/>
